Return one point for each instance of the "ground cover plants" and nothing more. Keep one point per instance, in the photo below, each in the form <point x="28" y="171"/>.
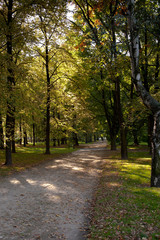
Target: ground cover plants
<point x="26" y="157"/>
<point x="125" y="207"/>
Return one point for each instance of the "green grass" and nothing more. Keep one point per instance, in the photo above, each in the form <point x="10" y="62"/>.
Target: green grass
<point x="26" y="157"/>
<point x="125" y="205"/>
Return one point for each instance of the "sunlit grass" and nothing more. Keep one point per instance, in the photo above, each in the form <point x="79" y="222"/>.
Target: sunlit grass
<point x="26" y="157"/>
<point x="130" y="210"/>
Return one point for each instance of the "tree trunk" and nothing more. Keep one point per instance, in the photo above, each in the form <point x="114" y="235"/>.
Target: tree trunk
<point x="54" y="142"/>
<point x="117" y="99"/>
<point x="1" y="134"/>
<point x="148" y="100"/>
<point x="113" y="142"/>
<point x="13" y="134"/>
<point x="136" y="142"/>
<point x="155" y="172"/>
<point x="150" y="131"/>
<point x="20" y="133"/>
<point x="75" y="139"/>
<point x="86" y="138"/>
<point x="112" y="121"/>
<point x="34" y="135"/>
<point x="48" y="101"/>
<point x="25" y="139"/>
<point x="10" y="83"/>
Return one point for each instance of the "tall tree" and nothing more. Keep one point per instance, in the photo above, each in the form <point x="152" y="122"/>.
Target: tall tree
<point x="148" y="100"/>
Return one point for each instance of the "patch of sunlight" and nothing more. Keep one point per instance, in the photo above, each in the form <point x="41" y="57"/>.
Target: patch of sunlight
<point x="49" y="186"/>
<point x="144" y="159"/>
<point x="155" y="191"/>
<point x="32" y="182"/>
<point x="113" y="184"/>
<point x="15" y="181"/>
<point x="78" y="168"/>
<point x="49" y="167"/>
<point x="135" y="166"/>
<point x="53" y="198"/>
<point x="67" y="165"/>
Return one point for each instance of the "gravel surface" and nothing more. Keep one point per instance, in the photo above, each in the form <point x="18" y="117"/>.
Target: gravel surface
<point x="51" y="201"/>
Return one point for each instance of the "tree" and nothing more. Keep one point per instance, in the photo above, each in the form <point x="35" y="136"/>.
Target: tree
<point x="97" y="22"/>
<point x="13" y="36"/>
<point x="151" y="103"/>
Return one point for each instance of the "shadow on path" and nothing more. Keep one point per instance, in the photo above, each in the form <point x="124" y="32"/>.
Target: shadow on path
<point x="50" y="201"/>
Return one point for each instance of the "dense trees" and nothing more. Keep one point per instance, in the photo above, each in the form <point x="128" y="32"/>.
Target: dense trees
<point x="68" y="79"/>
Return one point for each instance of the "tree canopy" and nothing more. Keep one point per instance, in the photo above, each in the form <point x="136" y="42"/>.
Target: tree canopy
<point x="79" y="70"/>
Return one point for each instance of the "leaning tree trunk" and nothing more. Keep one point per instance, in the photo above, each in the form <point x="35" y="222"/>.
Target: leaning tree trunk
<point x="147" y="99"/>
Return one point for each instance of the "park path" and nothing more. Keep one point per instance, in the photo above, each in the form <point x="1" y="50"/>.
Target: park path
<point x="50" y="201"/>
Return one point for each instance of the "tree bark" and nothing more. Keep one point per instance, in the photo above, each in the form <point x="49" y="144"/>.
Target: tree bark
<point x="48" y="101"/>
<point x="25" y="139"/>
<point x="20" y="132"/>
<point x="33" y="131"/>
<point x="10" y="83"/>
<point x="1" y="134"/>
<point x="119" y="113"/>
<point x="147" y="99"/>
<point x="155" y="172"/>
<point x="13" y="135"/>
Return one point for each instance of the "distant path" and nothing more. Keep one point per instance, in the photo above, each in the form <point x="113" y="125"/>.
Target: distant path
<point x="50" y="201"/>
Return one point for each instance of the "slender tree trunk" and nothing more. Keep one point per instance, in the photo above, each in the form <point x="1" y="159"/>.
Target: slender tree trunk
<point x="136" y="142"/>
<point x="1" y="134"/>
<point x="148" y="100"/>
<point x="25" y="138"/>
<point x="10" y="83"/>
<point x="113" y="123"/>
<point x="86" y="138"/>
<point x="48" y="102"/>
<point x="123" y="130"/>
<point x="34" y="135"/>
<point x="20" y="132"/>
<point x="54" y="142"/>
<point x="13" y="135"/>
<point x="157" y="86"/>
<point x="33" y="131"/>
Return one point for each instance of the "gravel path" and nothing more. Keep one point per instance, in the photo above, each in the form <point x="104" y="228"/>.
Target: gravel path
<point x="50" y="201"/>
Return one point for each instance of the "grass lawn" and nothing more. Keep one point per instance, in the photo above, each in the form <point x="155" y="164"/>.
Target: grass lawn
<point x="26" y="157"/>
<point x="125" y="207"/>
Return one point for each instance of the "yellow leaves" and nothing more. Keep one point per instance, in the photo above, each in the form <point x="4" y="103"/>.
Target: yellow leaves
<point x="97" y="22"/>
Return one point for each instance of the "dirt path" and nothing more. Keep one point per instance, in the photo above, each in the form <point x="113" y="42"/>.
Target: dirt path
<point x="51" y="201"/>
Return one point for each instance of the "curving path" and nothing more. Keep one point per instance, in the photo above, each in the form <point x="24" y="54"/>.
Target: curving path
<point x="50" y="201"/>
